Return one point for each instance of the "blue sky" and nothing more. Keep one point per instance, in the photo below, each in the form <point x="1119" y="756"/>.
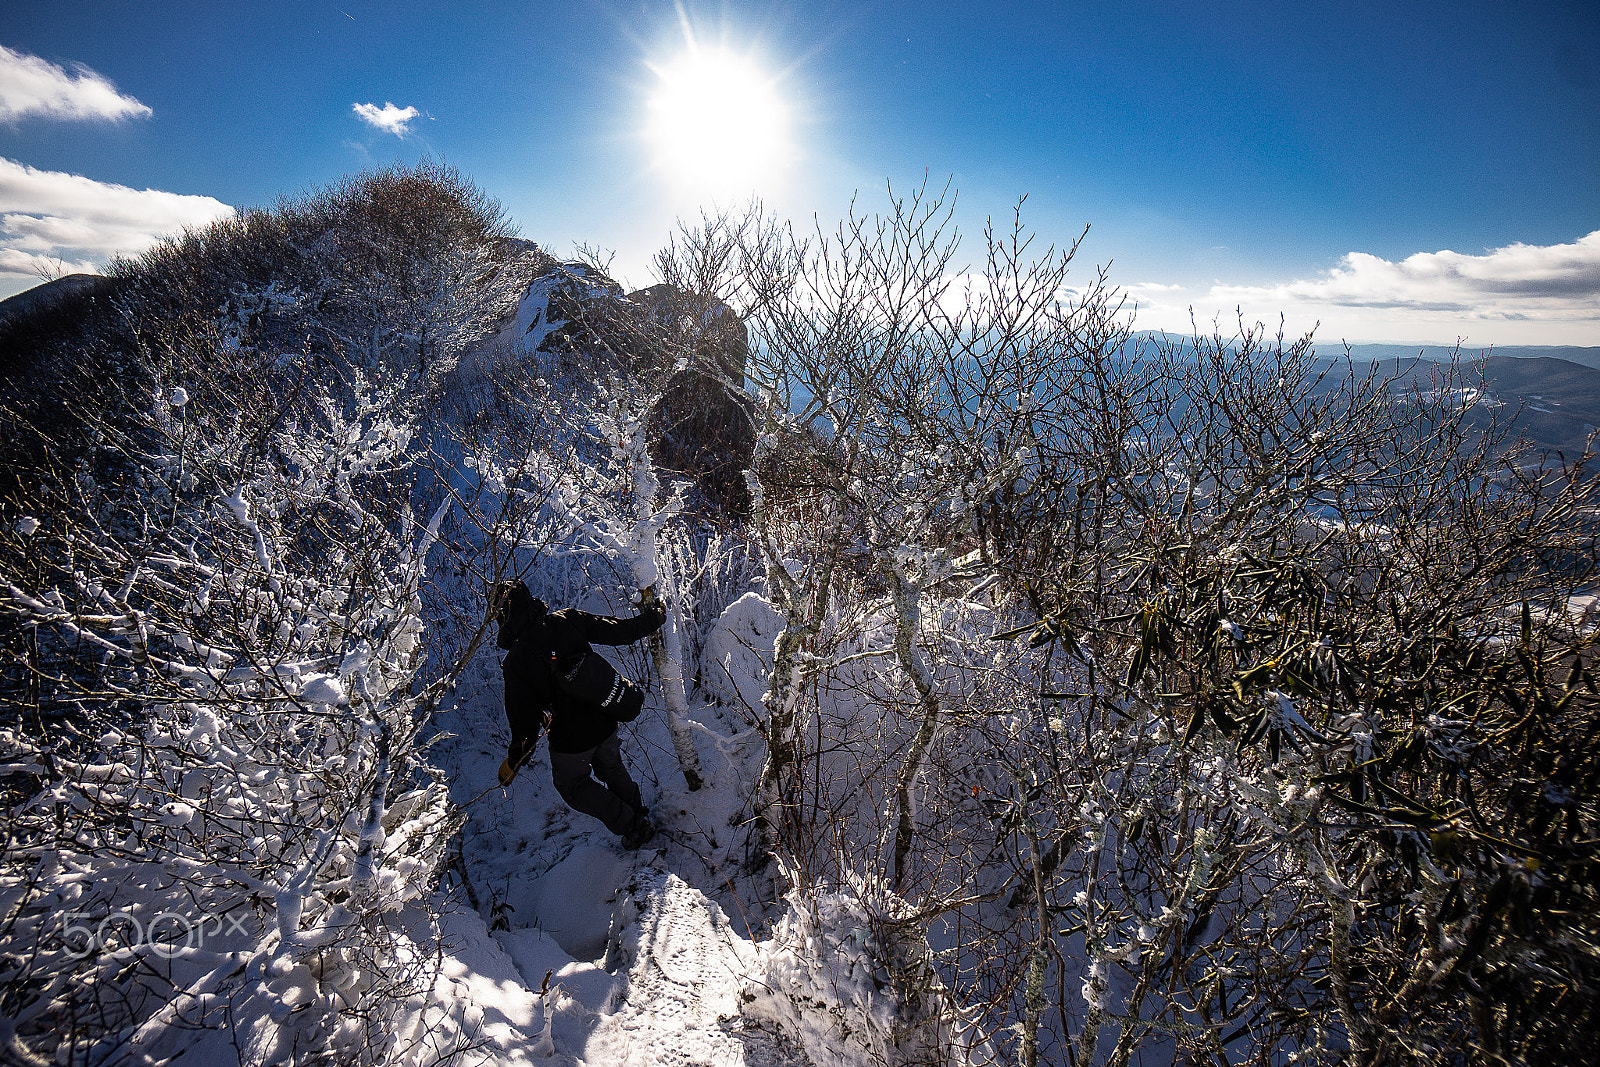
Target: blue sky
<point x="1404" y="172"/>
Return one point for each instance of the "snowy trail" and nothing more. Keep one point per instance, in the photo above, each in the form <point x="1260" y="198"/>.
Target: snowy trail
<point x="681" y="998"/>
<point x="563" y="894"/>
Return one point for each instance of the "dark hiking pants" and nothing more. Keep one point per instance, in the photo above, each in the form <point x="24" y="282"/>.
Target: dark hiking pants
<point x="614" y="803"/>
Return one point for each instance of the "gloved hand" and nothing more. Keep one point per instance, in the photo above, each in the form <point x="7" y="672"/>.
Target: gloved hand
<point x="521" y="747"/>
<point x="651" y="610"/>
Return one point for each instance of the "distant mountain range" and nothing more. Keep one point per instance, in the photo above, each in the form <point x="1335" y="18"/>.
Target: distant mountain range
<point x="1372" y="353"/>
<point x="1551" y="392"/>
<point x="1382" y="353"/>
<point x="1553" y="403"/>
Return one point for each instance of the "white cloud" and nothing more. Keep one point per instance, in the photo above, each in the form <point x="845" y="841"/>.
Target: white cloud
<point x="33" y="86"/>
<point x="1519" y="280"/>
<point x="388" y="118"/>
<point x="49" y="219"/>
<point x="1518" y="294"/>
<point x="18" y="264"/>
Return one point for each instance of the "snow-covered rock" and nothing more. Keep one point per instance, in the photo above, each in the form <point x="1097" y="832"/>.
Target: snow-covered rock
<point x="738" y="651"/>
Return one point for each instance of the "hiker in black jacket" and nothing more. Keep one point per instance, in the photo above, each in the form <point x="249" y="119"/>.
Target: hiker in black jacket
<point x="554" y="680"/>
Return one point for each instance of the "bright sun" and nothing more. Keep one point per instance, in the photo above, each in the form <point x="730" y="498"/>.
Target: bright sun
<point x="717" y="123"/>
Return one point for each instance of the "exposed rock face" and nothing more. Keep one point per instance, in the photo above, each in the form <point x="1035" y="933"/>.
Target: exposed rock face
<point x="575" y="308"/>
<point x="703" y="428"/>
<point x="704" y="325"/>
<point x="702" y="423"/>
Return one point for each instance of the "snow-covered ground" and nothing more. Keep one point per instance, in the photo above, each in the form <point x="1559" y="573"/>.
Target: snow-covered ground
<point x="580" y="951"/>
<point x="566" y="948"/>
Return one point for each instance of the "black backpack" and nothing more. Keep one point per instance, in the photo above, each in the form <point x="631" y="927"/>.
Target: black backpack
<point x="589" y="677"/>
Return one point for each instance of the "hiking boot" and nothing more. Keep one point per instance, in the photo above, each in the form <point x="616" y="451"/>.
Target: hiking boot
<point x="641" y="834"/>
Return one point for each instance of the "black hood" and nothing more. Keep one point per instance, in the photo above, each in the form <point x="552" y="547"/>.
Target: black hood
<point x="519" y="609"/>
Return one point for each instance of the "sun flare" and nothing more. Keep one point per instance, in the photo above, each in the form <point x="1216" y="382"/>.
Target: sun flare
<point x="718" y="124"/>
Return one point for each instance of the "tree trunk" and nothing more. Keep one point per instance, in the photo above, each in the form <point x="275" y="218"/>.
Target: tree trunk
<point x="666" y="648"/>
<point x="907" y="621"/>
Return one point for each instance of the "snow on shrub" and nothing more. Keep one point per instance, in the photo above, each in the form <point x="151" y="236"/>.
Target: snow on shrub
<point x="849" y="974"/>
<point x="231" y="810"/>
